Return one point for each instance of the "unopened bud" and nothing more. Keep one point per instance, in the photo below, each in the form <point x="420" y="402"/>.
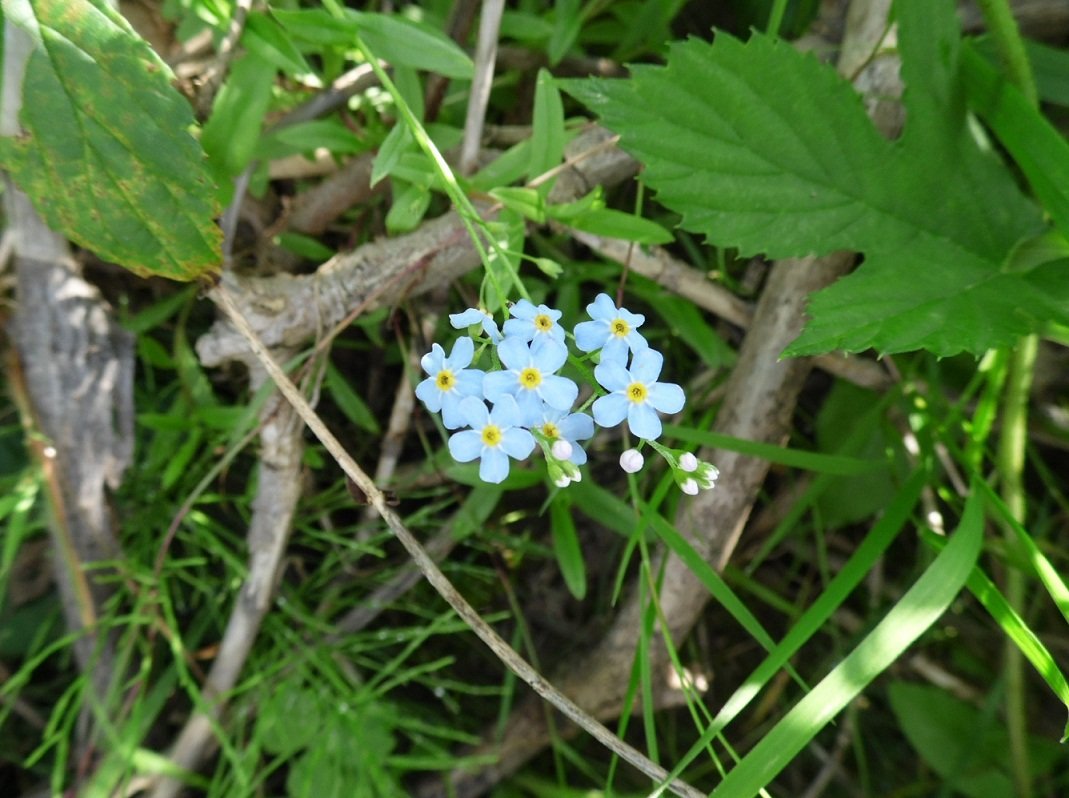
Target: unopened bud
<point x="561" y="449"/>
<point x="632" y="461"/>
<point x="688" y="462"/>
<point x="689" y="487"/>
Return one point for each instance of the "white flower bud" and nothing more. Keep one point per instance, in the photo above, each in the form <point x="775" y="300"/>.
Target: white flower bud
<point x="688" y="462"/>
<point x="689" y="486"/>
<point x="561" y="449"/>
<point x="707" y="475"/>
<point x="562" y="481"/>
<point x="632" y="461"/>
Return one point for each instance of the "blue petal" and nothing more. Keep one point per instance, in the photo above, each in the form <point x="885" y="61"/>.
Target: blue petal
<point x="506" y="412"/>
<point x="468" y="318"/>
<point x="548" y="354"/>
<point x="591" y="335"/>
<point x="646" y="365"/>
<point x="615" y="350"/>
<point x="577" y="426"/>
<point x="517" y="443"/>
<point x="602" y="308"/>
<point x="666" y="397"/>
<point x="463" y="350"/>
<point x="429" y="394"/>
<point x="465" y="446"/>
<point x="644" y="422"/>
<point x="558" y="392"/>
<point x="452" y="416"/>
<point x="470" y="382"/>
<point x="612" y="376"/>
<point x="633" y="319"/>
<point x="514" y="353"/>
<point x="530" y="408"/>
<point x="523" y="309"/>
<point x="473" y="411"/>
<point x="519" y="328"/>
<point x="636" y="342"/>
<point x="500" y="383"/>
<point x="494" y="466"/>
<point x="578" y="455"/>
<point x="432" y="361"/>
<point x="610" y="410"/>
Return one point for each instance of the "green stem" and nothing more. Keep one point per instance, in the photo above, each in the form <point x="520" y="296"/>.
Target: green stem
<point x="1014" y="435"/>
<point x="1007" y="38"/>
<point x="466" y="210"/>
<point x="1011" y="452"/>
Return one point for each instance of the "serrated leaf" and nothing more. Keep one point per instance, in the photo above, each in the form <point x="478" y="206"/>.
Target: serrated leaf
<point x="765" y="149"/>
<point x="104" y="149"/>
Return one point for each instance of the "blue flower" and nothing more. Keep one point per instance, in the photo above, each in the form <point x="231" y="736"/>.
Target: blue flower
<point x="558" y="425"/>
<point x="449" y="380"/>
<point x="532" y="322"/>
<point x="494" y="437"/>
<point x="613" y="331"/>
<point x="529" y="376"/>
<point x="635" y="394"/>
<point x="474" y="316"/>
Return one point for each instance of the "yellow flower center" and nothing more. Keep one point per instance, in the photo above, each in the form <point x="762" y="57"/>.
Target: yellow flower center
<point x="445" y="380"/>
<point x="550" y="430"/>
<point x="491" y="435"/>
<point x="637" y="392"/>
<point x="620" y="328"/>
<point x="530" y="378"/>
<point x="543" y="322"/>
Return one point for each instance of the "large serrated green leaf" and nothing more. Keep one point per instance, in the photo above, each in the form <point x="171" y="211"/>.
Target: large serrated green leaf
<point x="104" y="149"/>
<point x="763" y="148"/>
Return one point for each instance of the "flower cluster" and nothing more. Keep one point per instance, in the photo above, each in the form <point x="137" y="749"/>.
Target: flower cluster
<point x="532" y="405"/>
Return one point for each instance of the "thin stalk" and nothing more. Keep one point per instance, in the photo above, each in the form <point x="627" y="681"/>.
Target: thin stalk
<point x="1014" y="434"/>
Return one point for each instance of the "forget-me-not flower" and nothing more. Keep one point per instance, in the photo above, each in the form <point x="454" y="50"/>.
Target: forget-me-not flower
<point x="530" y="322"/>
<point x="560" y="425"/>
<point x="635" y="394"/>
<point x="529" y="376"/>
<point x="494" y="437"/>
<point x="473" y="316"/>
<point x="450" y="380"/>
<point x="613" y="330"/>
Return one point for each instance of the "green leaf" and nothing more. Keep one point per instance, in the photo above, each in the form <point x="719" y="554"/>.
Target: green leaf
<point x="1015" y="628"/>
<point x="103" y="147"/>
<point x="410" y="203"/>
<point x="547" y="129"/>
<point x="232" y="133"/>
<point x="795" y="458"/>
<point x="763" y="148"/>
<point x="566" y="547"/>
<point x="265" y="37"/>
<point x="812" y="621"/>
<point x="398" y="141"/>
<point x="1036" y="146"/>
<point x="407" y="43"/>
<point x="350" y="402"/>
<point x="617" y="224"/>
<point x="525" y="201"/>
<point x="966" y="746"/>
<point x="915" y="612"/>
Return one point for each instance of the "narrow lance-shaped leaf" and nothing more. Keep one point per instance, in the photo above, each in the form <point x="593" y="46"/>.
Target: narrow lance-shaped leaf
<point x="101" y="143"/>
<point x="917" y="610"/>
